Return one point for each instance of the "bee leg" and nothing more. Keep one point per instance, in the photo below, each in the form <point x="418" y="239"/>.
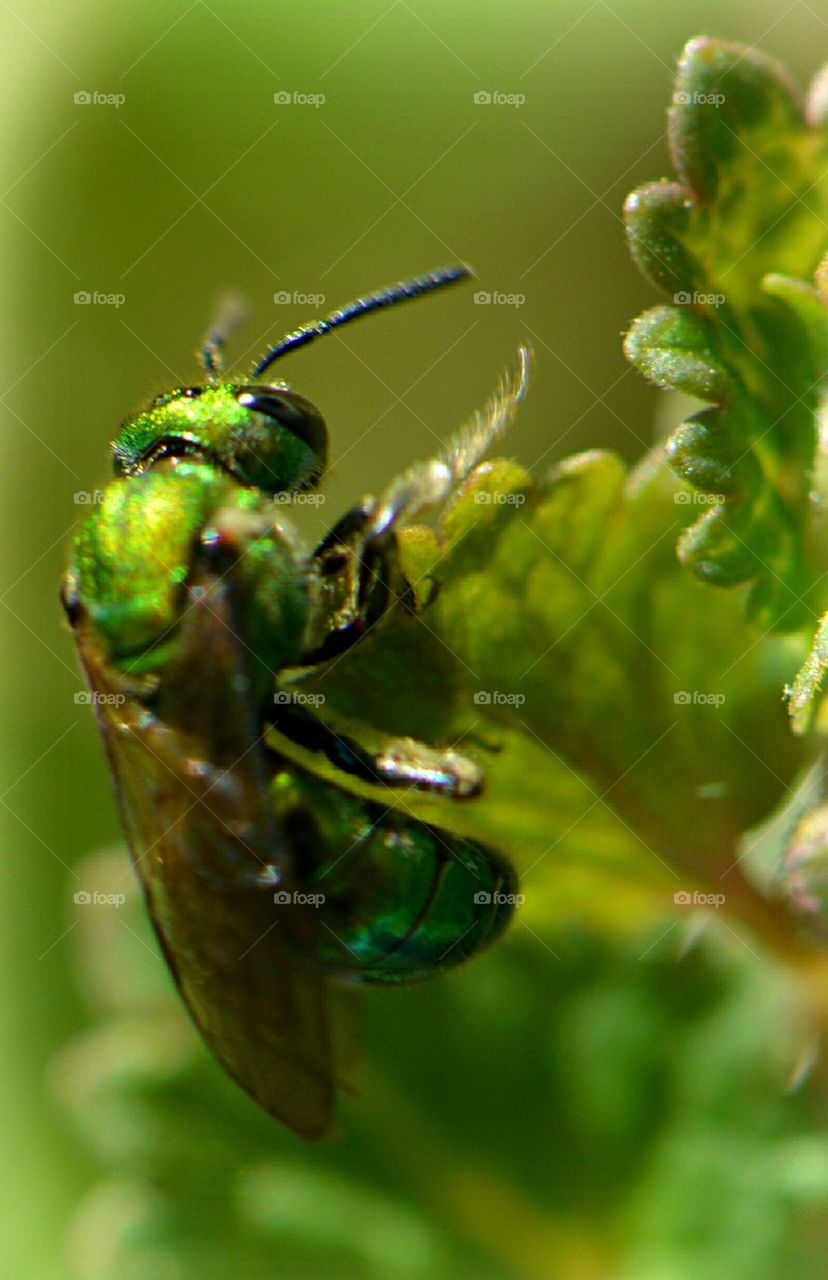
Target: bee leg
<point x="427" y="484"/>
<point x="402" y="762"/>
<point x="359" y="579"/>
<point x="357" y="562"/>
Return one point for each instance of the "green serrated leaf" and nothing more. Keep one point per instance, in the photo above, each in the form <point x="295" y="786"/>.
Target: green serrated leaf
<point x="749" y="96"/>
<point x="673" y="348"/>
<point x="737" y="241"/>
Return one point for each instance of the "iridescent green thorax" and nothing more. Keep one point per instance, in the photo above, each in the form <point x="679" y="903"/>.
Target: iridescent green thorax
<point x="261" y="435"/>
<point x="133" y="558"/>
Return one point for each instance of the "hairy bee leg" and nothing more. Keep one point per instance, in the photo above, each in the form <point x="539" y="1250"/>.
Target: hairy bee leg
<point x="357" y="562"/>
<point x="427" y="484"/>
<point x="402" y="762"/>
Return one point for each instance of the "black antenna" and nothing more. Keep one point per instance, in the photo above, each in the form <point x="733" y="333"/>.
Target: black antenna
<point x="229" y="315"/>
<point x="387" y="297"/>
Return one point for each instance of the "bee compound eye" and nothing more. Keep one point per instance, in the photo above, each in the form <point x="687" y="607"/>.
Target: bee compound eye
<point x="301" y="418"/>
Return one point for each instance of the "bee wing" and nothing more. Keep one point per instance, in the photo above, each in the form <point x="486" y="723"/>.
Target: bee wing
<point x="191" y="777"/>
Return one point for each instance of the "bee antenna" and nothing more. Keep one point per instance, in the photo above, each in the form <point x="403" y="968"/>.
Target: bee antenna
<point x="387" y="297"/>
<point x="229" y="314"/>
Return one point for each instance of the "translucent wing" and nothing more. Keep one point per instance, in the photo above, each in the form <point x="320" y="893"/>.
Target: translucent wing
<point x="191" y="776"/>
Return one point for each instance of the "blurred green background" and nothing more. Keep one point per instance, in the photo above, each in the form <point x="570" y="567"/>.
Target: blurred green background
<point x="199" y="182"/>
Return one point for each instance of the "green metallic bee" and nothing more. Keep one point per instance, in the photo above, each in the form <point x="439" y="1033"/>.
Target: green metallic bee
<point x="272" y="891"/>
